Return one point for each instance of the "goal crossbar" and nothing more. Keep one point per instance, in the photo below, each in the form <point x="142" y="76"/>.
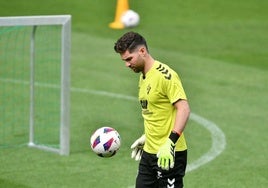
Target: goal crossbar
<point x="35" y="20"/>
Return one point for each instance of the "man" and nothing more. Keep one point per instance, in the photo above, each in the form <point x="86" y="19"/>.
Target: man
<point x="162" y="149"/>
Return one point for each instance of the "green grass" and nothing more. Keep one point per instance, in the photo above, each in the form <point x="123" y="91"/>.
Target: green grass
<point x="220" y="51"/>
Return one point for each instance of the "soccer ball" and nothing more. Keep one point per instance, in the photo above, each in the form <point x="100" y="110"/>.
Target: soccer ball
<point x="130" y="18"/>
<point x="105" y="141"/>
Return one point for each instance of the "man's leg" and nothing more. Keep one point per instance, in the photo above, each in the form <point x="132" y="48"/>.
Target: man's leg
<point x="146" y="177"/>
<point x="174" y="176"/>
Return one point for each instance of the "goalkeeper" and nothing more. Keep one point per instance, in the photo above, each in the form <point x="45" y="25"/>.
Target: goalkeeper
<point x="162" y="150"/>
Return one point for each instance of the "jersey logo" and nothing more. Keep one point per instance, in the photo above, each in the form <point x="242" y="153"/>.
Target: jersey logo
<point x="164" y="71"/>
<point x="148" y="89"/>
<point x="144" y="104"/>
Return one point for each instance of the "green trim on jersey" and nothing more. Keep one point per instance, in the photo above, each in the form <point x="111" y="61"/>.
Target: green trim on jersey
<point x="157" y="92"/>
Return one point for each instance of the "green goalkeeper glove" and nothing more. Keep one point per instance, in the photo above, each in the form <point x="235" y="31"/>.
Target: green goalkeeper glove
<point x="166" y="155"/>
<point x="137" y="148"/>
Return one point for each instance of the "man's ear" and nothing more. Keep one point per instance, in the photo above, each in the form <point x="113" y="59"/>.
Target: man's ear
<point x="142" y="51"/>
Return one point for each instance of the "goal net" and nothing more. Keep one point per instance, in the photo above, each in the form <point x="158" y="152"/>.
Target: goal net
<point x="35" y="82"/>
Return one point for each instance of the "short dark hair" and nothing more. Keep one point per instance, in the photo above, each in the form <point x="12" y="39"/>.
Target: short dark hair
<point x="129" y="41"/>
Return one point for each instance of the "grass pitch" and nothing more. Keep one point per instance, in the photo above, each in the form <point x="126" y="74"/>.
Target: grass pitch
<point x="220" y="51"/>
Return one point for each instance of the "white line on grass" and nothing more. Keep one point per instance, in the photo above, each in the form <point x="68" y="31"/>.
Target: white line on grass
<point x="218" y="137"/>
<point x="218" y="142"/>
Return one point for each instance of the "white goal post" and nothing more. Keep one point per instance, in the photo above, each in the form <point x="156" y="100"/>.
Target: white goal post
<point x="34" y="22"/>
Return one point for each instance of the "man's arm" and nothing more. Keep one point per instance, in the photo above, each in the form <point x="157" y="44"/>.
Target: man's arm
<point x="183" y="113"/>
<point x="166" y="153"/>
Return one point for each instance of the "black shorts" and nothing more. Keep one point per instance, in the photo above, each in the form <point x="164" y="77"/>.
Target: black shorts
<point x="151" y="176"/>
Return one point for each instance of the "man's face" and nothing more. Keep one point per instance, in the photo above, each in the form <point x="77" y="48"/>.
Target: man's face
<point x="133" y="60"/>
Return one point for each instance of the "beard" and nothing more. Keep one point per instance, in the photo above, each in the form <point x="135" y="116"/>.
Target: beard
<point x="136" y="70"/>
<point x="138" y="66"/>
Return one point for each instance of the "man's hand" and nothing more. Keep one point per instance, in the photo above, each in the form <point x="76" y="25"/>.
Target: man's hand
<point x="137" y="148"/>
<point x="166" y="155"/>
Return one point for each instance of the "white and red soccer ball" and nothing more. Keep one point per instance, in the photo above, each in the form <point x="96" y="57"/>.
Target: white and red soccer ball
<point x="105" y="141"/>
